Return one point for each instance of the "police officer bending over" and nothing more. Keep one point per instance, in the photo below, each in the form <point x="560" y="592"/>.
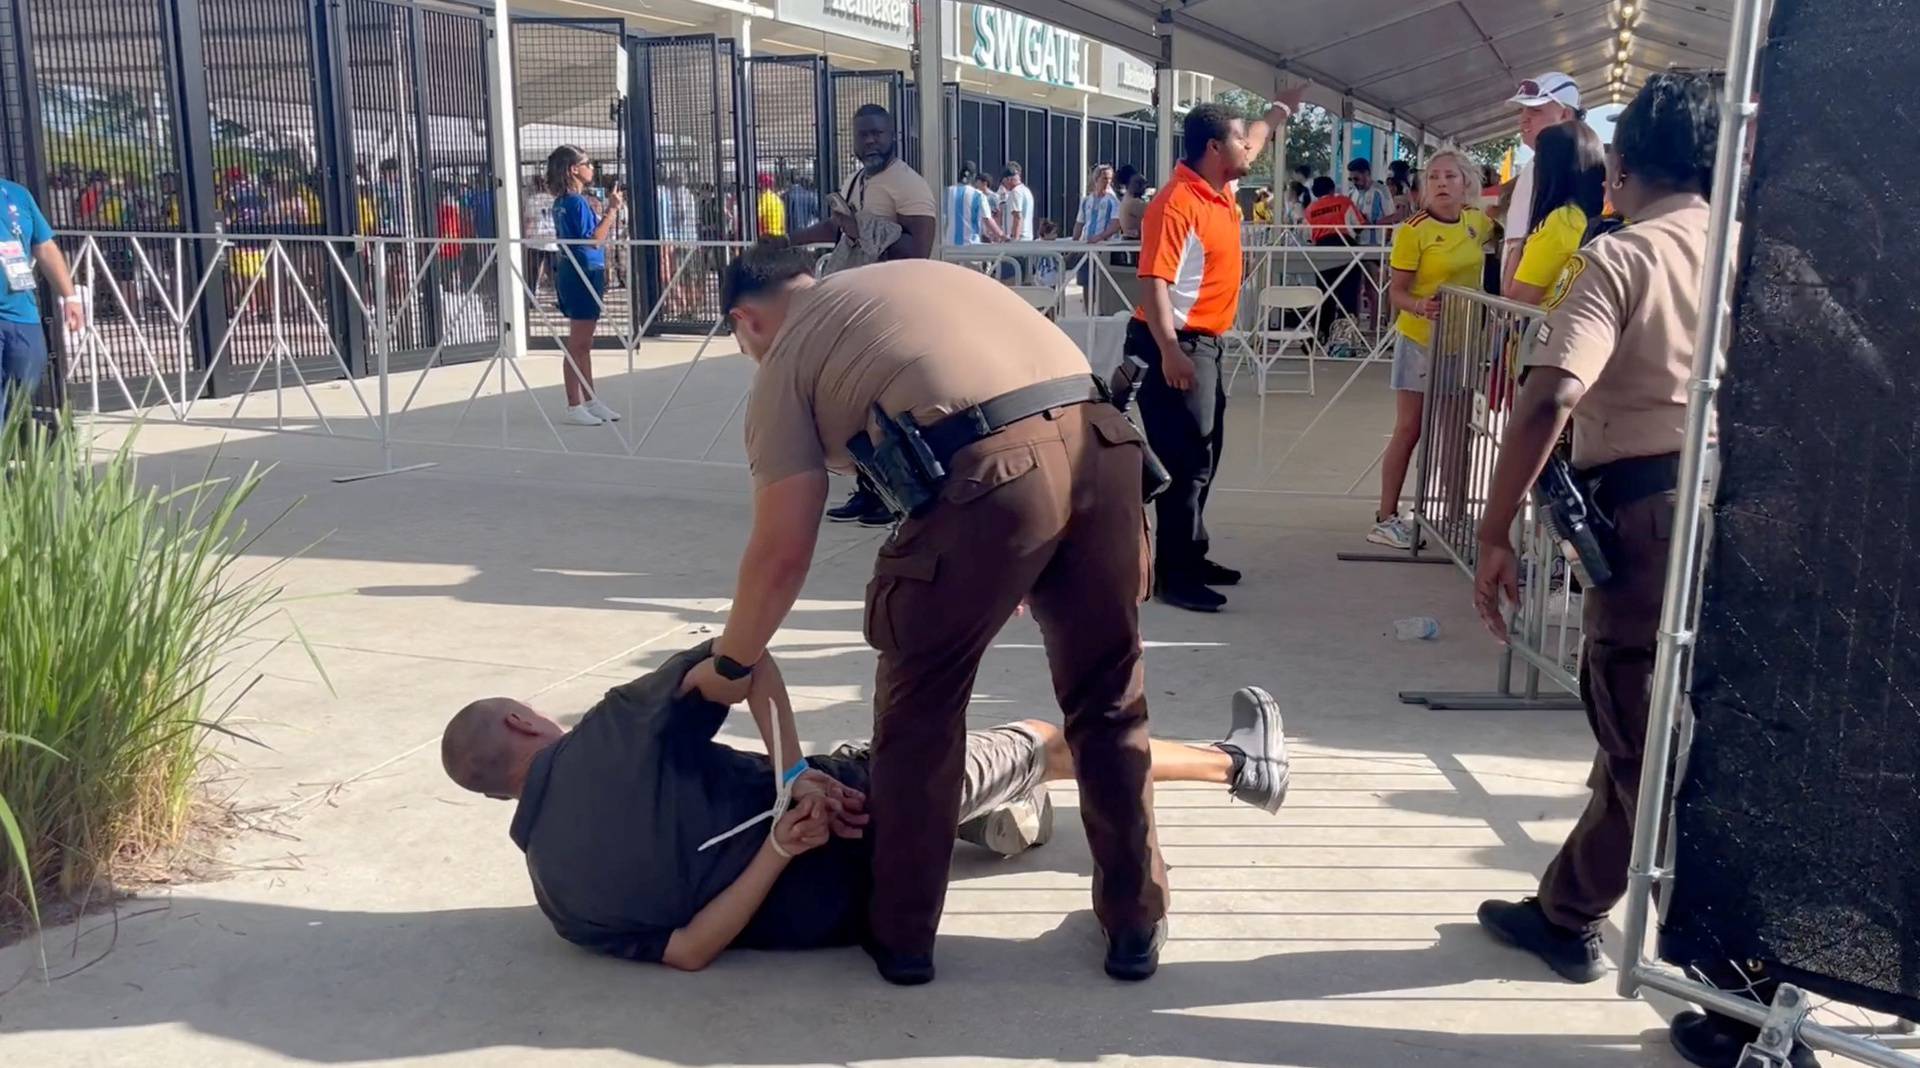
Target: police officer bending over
<point x="971" y="412"/>
<point x="1614" y="355"/>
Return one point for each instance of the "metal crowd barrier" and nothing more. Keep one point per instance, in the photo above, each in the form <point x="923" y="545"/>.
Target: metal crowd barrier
<point x="348" y="336"/>
<point x="412" y="309"/>
<point x="1303" y="309"/>
<point x="1480" y="344"/>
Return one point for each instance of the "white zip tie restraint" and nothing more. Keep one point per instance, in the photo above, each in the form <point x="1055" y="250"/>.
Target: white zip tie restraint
<point x="766" y="676"/>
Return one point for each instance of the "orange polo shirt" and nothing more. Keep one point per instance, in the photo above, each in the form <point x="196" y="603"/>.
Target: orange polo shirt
<point x="1190" y="238"/>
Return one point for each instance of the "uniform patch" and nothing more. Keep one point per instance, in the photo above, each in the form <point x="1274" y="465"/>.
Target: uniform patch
<point x="1544" y="334"/>
<point x="1564" y="284"/>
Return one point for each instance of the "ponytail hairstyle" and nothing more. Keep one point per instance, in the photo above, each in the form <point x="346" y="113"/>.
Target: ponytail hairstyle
<point x="560" y="165"/>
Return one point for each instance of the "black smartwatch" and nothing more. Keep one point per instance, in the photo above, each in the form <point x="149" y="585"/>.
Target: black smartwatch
<point x="730" y="669"/>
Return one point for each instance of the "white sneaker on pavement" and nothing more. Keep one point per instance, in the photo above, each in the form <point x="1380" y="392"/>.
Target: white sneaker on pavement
<point x="600" y="409"/>
<point x="1394" y="533"/>
<point x="580" y="415"/>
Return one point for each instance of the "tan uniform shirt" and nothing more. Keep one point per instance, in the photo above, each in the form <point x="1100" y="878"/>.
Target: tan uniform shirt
<point x="922" y="336"/>
<point x="1622" y="319"/>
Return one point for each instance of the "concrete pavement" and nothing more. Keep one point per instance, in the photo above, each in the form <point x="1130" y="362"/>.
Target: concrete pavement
<point x="387" y="919"/>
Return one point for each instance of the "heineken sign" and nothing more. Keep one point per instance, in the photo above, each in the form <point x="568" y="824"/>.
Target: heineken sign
<point x="1028" y="48"/>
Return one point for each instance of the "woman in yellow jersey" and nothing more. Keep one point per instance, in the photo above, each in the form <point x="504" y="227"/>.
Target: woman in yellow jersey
<point x="1569" y="191"/>
<point x="1443" y="245"/>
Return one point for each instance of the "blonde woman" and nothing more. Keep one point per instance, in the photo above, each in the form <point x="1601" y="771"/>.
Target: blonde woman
<point x="1444" y="244"/>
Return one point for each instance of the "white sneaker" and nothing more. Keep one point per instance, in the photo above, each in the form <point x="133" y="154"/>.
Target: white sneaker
<point x="1393" y="533"/>
<point x="602" y="410"/>
<point x="580" y="415"/>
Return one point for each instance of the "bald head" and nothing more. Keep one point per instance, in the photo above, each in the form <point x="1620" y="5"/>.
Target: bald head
<point x="488" y="744"/>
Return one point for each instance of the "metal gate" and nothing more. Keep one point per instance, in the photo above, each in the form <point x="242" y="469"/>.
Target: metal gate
<point x="792" y="138"/>
<point x="853" y="90"/>
<point x="93" y="126"/>
<point x="1063" y="157"/>
<point x="1027" y="145"/>
<point x="414" y="101"/>
<point x="692" y="142"/>
<point x="571" y="80"/>
<point x="983" y="133"/>
<point x="273" y="174"/>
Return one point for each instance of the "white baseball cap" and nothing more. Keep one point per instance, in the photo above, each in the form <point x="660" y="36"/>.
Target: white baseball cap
<point x="1553" y="87"/>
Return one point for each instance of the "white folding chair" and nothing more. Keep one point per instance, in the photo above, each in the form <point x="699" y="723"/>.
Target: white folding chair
<point x="1275" y="343"/>
<point x="1044" y="298"/>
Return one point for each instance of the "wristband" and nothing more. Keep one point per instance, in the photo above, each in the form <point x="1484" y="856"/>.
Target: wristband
<point x="799" y="768"/>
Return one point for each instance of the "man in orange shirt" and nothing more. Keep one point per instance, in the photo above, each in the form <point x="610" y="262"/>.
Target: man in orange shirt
<point x="1190" y="294"/>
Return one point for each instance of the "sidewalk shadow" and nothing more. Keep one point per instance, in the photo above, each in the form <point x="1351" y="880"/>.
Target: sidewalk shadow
<point x="333" y="987"/>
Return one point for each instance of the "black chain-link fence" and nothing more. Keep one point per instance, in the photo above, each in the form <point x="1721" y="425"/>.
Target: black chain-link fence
<point x="571" y="80"/>
<point x="853" y="90"/>
<point x="792" y="140"/>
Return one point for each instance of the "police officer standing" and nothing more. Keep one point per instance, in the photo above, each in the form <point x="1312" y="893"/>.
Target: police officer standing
<point x="1615" y="355"/>
<point x="979" y="418"/>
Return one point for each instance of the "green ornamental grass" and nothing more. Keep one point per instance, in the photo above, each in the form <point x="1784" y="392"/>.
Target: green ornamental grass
<point x="121" y="606"/>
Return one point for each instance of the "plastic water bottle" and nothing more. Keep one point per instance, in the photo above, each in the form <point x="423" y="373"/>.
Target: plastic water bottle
<point x="1416" y="629"/>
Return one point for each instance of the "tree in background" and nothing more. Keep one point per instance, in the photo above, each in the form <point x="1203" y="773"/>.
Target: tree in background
<point x="1490" y="153"/>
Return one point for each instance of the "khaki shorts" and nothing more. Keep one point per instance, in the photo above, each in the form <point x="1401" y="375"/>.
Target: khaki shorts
<point x="1003" y="763"/>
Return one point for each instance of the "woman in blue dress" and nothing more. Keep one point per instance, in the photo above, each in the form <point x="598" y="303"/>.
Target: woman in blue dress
<point x="580" y="274"/>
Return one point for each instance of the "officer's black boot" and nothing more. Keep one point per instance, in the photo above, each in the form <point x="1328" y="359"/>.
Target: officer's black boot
<point x="901" y="969"/>
<point x="1573" y="954"/>
<point x="1715" y="1041"/>
<point x="1135" y="955"/>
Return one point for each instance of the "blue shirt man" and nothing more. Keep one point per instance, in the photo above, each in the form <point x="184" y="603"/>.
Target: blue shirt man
<point x="25" y="238"/>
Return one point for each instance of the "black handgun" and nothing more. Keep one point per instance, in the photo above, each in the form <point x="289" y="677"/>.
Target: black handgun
<point x="1584" y="533"/>
<point x="901" y="466"/>
<point x="1120" y="389"/>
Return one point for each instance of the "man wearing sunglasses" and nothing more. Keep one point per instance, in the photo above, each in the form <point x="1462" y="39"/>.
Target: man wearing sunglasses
<point x="1548" y="100"/>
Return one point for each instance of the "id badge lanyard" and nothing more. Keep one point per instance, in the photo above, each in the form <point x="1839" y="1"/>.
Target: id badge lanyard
<point x="18" y="264"/>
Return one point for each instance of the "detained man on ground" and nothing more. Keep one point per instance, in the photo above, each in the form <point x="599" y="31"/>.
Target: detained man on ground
<point x="618" y="817"/>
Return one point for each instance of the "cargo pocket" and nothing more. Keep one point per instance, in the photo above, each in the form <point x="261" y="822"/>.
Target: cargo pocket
<point x="981" y="475"/>
<point x="895" y="595"/>
<point x="1619" y="686"/>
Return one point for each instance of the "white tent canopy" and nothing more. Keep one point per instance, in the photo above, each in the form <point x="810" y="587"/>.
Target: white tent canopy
<point x="1449" y="65"/>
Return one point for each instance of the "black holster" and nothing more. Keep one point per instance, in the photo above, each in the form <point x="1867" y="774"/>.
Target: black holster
<point x="901" y="467"/>
<point x="1585" y="533"/>
<point x="1120" y="390"/>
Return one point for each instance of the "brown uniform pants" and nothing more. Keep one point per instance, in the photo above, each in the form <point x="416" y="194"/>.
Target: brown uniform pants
<point x="1049" y="510"/>
<point x="1622" y="624"/>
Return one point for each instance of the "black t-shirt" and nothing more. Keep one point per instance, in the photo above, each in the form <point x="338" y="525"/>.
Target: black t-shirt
<point x="613" y="814"/>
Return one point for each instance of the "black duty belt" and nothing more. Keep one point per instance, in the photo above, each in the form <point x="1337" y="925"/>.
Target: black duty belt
<point x="1613" y="486"/>
<point x="964" y="427"/>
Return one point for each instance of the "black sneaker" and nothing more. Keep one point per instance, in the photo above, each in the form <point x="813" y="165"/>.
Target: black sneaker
<point x="877" y="516"/>
<point x="1212" y="574"/>
<point x="1714" y="1041"/>
<point x="1574" y="955"/>
<point x="1191" y="595"/>
<point x="1135" y="955"/>
<point x="856" y="508"/>
<point x="1258" y="735"/>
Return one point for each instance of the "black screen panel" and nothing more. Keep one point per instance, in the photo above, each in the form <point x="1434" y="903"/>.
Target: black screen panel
<point x="1796" y="820"/>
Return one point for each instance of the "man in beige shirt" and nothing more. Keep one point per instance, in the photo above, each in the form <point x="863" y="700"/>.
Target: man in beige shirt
<point x="1614" y="356"/>
<point x="1042" y="509"/>
<point x="883" y="193"/>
